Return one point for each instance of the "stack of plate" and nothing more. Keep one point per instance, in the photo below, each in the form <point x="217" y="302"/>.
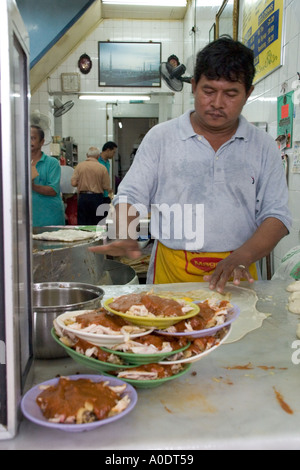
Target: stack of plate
<point x="131" y="360"/>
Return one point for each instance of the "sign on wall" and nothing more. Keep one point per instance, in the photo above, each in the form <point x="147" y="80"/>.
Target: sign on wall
<point x="262" y="32"/>
<point x="285" y="114"/>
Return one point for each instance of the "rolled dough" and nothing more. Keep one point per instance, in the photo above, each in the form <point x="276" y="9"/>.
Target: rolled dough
<point x="65" y="235"/>
<point x="294" y="298"/>
<point x="293" y="287"/>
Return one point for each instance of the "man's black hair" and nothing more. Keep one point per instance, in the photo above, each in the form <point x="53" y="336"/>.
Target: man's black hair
<point x="40" y="131"/>
<point x="173" y="56"/>
<point x="109" y="146"/>
<point x="227" y="59"/>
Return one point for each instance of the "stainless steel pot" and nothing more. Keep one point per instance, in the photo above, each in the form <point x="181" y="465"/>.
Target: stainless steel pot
<point x="51" y="299"/>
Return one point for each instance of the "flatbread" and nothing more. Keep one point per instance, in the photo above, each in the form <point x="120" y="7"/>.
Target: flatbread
<point x="68" y="235"/>
<point x="250" y="318"/>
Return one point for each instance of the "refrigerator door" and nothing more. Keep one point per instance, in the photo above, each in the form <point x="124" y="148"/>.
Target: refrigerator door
<point x="15" y="217"/>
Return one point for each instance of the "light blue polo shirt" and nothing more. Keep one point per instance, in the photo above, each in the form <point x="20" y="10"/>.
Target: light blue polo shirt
<point x="232" y="190"/>
<point x="48" y="210"/>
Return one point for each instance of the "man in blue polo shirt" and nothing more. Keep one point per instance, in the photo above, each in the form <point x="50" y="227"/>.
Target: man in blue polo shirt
<point x="47" y="205"/>
<point x="108" y="152"/>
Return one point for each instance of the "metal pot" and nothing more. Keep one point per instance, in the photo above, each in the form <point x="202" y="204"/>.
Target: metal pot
<point x="51" y="299"/>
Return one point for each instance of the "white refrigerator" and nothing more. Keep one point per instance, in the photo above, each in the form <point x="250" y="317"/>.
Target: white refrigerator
<point x="15" y="217"/>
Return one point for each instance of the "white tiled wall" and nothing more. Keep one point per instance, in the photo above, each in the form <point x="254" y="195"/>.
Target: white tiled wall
<point x="88" y="121"/>
<point x="264" y="108"/>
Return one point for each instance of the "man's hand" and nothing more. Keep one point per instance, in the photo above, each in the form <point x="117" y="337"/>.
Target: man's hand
<point x="128" y="248"/>
<point x="224" y="271"/>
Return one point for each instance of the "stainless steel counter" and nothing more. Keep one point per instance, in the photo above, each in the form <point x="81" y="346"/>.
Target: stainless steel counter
<point x="219" y="404"/>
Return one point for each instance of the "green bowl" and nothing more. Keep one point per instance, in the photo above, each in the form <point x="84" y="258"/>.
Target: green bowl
<point x="91" y="362"/>
<point x="140" y="359"/>
<point x="152" y="383"/>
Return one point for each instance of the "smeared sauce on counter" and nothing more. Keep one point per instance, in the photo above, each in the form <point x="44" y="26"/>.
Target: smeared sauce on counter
<point x="248" y="366"/>
<point x="65" y="399"/>
<point x="282" y="403"/>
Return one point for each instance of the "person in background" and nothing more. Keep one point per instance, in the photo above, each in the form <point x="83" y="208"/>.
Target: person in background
<point x="47" y="204"/>
<point x="91" y="180"/>
<point x="222" y="176"/>
<point x="107" y="154"/>
<point x="173" y="60"/>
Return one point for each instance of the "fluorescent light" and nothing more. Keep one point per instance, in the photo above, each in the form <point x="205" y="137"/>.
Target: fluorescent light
<point x="124" y="98"/>
<point x="161" y="3"/>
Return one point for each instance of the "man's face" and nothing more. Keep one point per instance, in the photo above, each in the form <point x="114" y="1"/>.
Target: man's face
<point x="218" y="103"/>
<point x="36" y="143"/>
<point x="111" y="153"/>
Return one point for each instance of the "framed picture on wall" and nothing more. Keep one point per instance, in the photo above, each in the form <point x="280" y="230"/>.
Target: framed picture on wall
<point x="227" y="19"/>
<point x="129" y="64"/>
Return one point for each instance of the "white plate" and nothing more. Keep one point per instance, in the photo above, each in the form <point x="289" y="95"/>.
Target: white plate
<point x="201" y="355"/>
<point x="33" y="412"/>
<point x="93" y="338"/>
<point x="232" y="315"/>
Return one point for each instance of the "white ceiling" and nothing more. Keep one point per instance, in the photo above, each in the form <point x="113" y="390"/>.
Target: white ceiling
<point x="142" y="12"/>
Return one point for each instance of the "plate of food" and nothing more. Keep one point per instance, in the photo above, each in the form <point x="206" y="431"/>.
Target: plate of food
<point x="78" y="403"/>
<point x="151" y="375"/>
<point x="213" y="316"/>
<point x="150" y="310"/>
<point x="199" y="348"/>
<point x="148" y="349"/>
<point x="98" y="327"/>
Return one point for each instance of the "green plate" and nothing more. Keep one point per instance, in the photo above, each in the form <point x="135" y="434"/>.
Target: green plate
<point x="140" y="359"/>
<point x="91" y="362"/>
<point x="152" y="383"/>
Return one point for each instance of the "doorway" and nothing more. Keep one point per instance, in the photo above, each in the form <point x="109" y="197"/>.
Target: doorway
<point x="129" y="133"/>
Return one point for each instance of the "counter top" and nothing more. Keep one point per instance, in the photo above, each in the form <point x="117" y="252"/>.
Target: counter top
<point x="245" y="395"/>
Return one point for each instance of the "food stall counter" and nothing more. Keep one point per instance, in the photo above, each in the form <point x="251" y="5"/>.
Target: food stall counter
<point x="245" y="395"/>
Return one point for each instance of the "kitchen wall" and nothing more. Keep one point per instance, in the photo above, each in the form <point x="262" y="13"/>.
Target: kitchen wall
<point x="87" y="121"/>
<point x="262" y="106"/>
<point x="183" y="38"/>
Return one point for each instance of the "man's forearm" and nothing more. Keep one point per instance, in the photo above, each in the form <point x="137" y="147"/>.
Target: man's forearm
<point x="262" y="242"/>
<point x="44" y="190"/>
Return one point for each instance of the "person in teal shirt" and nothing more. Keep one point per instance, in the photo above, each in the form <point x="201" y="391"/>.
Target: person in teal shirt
<point x="47" y="204"/>
<point x="108" y="152"/>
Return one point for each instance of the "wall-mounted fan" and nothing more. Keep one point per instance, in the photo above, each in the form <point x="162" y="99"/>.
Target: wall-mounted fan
<point x="61" y="108"/>
<point x="41" y="120"/>
<point x="173" y="76"/>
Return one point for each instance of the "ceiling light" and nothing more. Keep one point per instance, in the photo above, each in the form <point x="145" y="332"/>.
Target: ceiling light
<point x="111" y="97"/>
<point x="162" y="3"/>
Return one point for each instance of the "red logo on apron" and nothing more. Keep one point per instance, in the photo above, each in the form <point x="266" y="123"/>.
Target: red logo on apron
<point x="204" y="263"/>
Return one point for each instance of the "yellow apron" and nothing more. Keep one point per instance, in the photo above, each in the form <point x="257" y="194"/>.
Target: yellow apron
<point x="171" y="266"/>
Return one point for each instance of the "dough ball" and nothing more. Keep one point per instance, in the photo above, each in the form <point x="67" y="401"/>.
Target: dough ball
<point x="294" y="295"/>
<point x="294" y="306"/>
<point x="298" y="331"/>
<point x="293" y="287"/>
